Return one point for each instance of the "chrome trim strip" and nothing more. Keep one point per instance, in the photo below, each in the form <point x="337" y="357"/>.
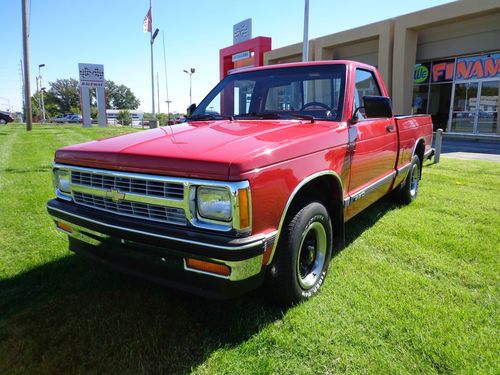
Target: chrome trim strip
<point x="64" y="196"/>
<point x="347" y="202"/>
<point x="372" y="187"/>
<point x="191" y="242"/>
<point x="404" y="169"/>
<point x="188" y="203"/>
<point x="290" y="199"/>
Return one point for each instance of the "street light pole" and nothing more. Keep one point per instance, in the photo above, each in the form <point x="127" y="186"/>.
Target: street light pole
<point x="190" y="73"/>
<point x="26" y="55"/>
<point x="41" y="91"/>
<point x="168" y="110"/>
<point x="305" y="43"/>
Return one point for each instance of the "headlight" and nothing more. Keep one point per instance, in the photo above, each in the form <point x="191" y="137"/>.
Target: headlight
<point x="214" y="203"/>
<point x="62" y="180"/>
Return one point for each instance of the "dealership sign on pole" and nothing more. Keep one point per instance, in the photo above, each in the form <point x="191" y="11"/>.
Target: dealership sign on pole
<point x="92" y="76"/>
<point x="242" y="31"/>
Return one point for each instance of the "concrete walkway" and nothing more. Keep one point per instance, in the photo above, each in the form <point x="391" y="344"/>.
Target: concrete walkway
<point x="471" y="149"/>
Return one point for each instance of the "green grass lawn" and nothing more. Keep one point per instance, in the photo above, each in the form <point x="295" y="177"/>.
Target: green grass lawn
<point x="415" y="291"/>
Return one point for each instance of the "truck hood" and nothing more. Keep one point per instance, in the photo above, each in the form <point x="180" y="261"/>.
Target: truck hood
<point x="209" y="149"/>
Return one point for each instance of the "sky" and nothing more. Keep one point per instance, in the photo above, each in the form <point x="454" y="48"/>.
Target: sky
<point x="64" y="33"/>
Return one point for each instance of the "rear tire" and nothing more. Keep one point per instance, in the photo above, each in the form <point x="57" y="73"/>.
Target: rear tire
<point x="302" y="256"/>
<point x="408" y="190"/>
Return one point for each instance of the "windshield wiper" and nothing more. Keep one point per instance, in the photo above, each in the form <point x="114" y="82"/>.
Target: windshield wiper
<point x="209" y="116"/>
<point x="277" y="115"/>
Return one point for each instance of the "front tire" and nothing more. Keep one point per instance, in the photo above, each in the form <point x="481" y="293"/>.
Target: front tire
<point x="302" y="256"/>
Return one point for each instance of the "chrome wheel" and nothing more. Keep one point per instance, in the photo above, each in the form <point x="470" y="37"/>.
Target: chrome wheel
<point x="312" y="255"/>
<point x="415" y="178"/>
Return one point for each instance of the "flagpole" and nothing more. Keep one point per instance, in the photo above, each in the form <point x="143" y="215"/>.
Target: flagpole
<point x="152" y="68"/>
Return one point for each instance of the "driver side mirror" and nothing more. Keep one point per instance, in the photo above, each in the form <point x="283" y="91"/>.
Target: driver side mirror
<point x="190" y="109"/>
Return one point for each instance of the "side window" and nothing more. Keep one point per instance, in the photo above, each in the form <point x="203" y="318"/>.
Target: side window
<point x="365" y="84"/>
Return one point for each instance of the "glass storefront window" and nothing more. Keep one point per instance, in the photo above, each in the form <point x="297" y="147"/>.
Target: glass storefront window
<point x="439" y="105"/>
<point x="420" y="99"/>
<point x="467" y="89"/>
<point x="464" y="107"/>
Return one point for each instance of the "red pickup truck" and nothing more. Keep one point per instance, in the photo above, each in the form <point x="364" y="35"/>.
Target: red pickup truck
<point x="256" y="187"/>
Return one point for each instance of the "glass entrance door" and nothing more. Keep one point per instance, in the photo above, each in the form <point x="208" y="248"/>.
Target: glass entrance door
<point x="464" y="107"/>
<point x="487" y="117"/>
<point x="475" y="107"/>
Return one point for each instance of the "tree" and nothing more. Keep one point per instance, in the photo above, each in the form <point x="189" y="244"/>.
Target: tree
<point x="64" y="93"/>
<point x="124" y="117"/>
<point x="162" y="118"/>
<point x="120" y="97"/>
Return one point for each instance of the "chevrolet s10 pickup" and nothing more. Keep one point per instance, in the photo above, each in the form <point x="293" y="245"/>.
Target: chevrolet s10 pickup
<point x="255" y="188"/>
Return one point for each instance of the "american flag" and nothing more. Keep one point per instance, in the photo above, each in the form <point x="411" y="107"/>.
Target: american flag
<point x="148" y="22"/>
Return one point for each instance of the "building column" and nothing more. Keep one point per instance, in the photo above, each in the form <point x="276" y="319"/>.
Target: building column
<point x="385" y="40"/>
<point x="405" y="54"/>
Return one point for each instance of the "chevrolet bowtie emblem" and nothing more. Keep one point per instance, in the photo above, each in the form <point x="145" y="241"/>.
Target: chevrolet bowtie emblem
<point x="115" y="195"/>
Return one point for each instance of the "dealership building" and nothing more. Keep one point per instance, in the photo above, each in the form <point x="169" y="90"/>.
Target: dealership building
<point x="444" y="61"/>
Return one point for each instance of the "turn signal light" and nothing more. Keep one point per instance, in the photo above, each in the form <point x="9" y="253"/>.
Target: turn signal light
<point x="64" y="227"/>
<point x="219" y="269"/>
<point x="244" y="208"/>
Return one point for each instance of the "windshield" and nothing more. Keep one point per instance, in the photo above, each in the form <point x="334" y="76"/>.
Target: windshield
<point x="315" y="92"/>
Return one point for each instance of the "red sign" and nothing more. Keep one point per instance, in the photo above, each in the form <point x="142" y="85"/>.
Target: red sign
<point x="443" y="71"/>
<point x="478" y="67"/>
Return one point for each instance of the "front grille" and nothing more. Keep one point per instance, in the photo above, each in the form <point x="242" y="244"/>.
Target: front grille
<point x="169" y="215"/>
<point x="162" y="189"/>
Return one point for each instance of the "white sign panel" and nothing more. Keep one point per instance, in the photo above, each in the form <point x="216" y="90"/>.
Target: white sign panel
<point x="91" y="75"/>
<point x="242" y="31"/>
<point x="241" y="56"/>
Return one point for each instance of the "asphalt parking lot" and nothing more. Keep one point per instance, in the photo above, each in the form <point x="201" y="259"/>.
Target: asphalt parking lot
<point x="472" y="149"/>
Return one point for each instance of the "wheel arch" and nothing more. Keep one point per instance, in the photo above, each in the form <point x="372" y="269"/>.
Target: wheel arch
<point x="419" y="149"/>
<point x="316" y="187"/>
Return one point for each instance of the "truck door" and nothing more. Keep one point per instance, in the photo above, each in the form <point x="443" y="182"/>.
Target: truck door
<point x="373" y="145"/>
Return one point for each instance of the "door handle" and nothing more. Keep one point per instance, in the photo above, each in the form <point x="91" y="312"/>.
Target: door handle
<point x="389" y="128"/>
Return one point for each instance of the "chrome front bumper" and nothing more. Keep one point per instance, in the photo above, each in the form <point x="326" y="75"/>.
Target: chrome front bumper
<point x="110" y="238"/>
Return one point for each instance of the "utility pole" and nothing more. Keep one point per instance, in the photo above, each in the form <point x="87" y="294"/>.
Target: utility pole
<point x="27" y="89"/>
